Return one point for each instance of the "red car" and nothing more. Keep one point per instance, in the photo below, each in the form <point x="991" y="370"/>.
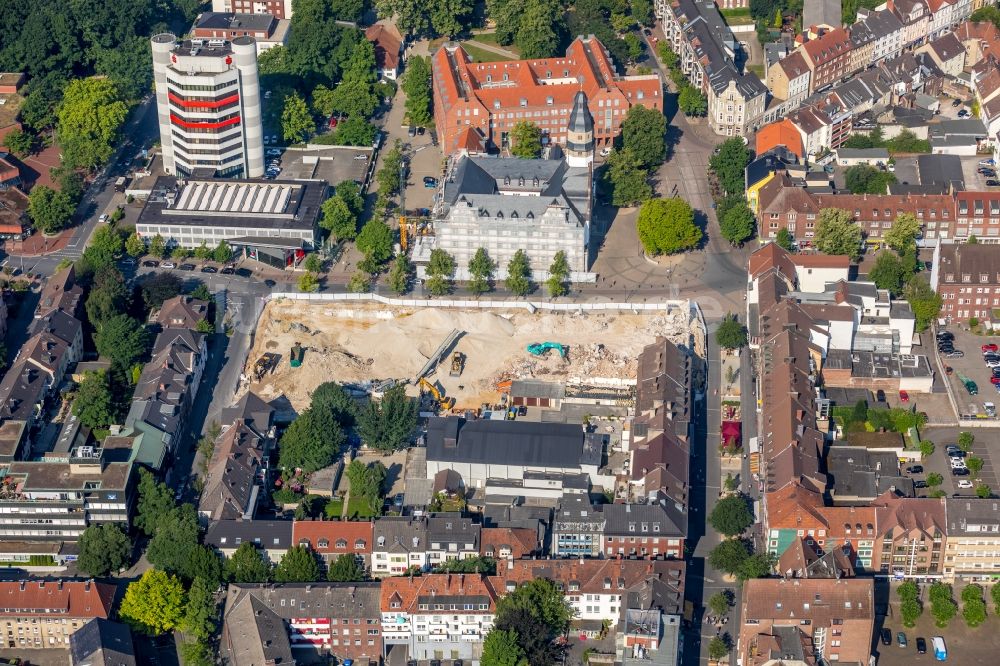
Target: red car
<point x="990" y="348"/>
<point x="333" y="122"/>
<point x="904" y="396"/>
<point x="994" y="380"/>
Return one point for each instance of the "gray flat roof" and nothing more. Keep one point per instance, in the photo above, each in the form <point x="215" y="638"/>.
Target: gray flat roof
<point x="525" y="443"/>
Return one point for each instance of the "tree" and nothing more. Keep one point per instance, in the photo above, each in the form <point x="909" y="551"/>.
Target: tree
<point x="717" y="648"/>
<point x="983" y="491"/>
<point x="345" y="570"/>
<point x="501" y="649"/>
<point x="887" y="273"/>
<point x="298" y="565"/>
<point x="104" y="548"/>
<point x="729" y="163"/>
<point x="440" y="270"/>
<point x="121" y="339"/>
<point x="401" y="274"/>
<point x="924" y="301"/>
<point x="135" y="246"/>
<point x="519" y="274"/>
<point x="934" y="479"/>
<point x="943" y="607"/>
<point x="313" y="263"/>
<point x="989" y="13"/>
<point x="354" y="131"/>
<point x="785" y="240"/>
<point x="312" y="441"/>
<point x="350" y="193"/>
<point x="156" y="500"/>
<point x="355" y="95"/>
<point x="837" y="233"/>
<point x="758" y="565"/>
<point x="538" y="32"/>
<point x="158" y="247"/>
<point x="338" y="219"/>
<point x="222" y="252"/>
<point x="175" y="540"/>
<point x="731" y="334"/>
<point x="109" y="296"/>
<point x="478" y="564"/>
<point x="526" y="140"/>
<point x="973" y="605"/>
<point x="389" y="177"/>
<point x="197" y="653"/>
<point x="427" y="17"/>
<point x="904" y="232"/>
<point x="154" y="604"/>
<point x="720" y="602"/>
<point x="558" y="275"/>
<point x="49" y="210"/>
<point x="644" y="132"/>
<point x="375" y="241"/>
<point x="203" y="562"/>
<point x="731" y="515"/>
<point x="481" y="269"/>
<point x="296" y="121"/>
<point x="199" y="612"/>
<point x="388" y="424"/>
<point x="995" y="597"/>
<point x="692" y="102"/>
<point x="20" y="143"/>
<point x="94" y="405"/>
<point x="361" y="281"/>
<point x="308" y="283"/>
<point x="910" y="611"/>
<point x="666" y="226"/>
<point x="247" y="565"/>
<point x="417" y="88"/>
<point x="975" y="465"/>
<point x="729" y="556"/>
<point x="965" y="441"/>
<point x="866" y="179"/>
<point x="158" y="288"/>
<point x="626" y="179"/>
<point x="88" y="120"/>
<point x="543" y="601"/>
<point x="738" y="225"/>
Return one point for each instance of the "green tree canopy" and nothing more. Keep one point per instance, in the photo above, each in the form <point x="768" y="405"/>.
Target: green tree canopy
<point x="644" y="133"/>
<point x="539" y="26"/>
<point x="312" y="441"/>
<point x="558" y="275"/>
<point x="350" y="193"/>
<point x="154" y="604"/>
<point x="156" y="501"/>
<point x="104" y="549"/>
<point x="338" y="219"/>
<point x="88" y="120"/>
<point x="536" y="613"/>
<point x="247" y="565"/>
<point x="417" y="88"/>
<point x="866" y="179"/>
<point x="375" y="241"/>
<point x="94" y="405"/>
<point x="501" y="648"/>
<point x="158" y="288"/>
<point x="519" y="274"/>
<point x="389" y="423"/>
<point x="731" y="515"/>
<point x="355" y="93"/>
<point x="626" y="179"/>
<point x="440" y="270"/>
<point x="121" y="339"/>
<point x="729" y="556"/>
<point x="692" y="102"/>
<point x="401" y="274"/>
<point x="175" y="540"/>
<point x="345" y="569"/>
<point x="924" y="301"/>
<point x="50" y="210"/>
<point x="526" y="140"/>
<point x="973" y="605"/>
<point x="108" y="296"/>
<point x="296" y="121"/>
<point x="20" y="143"/>
<point x="666" y="226"/>
<point x="838" y="234"/>
<point x="430" y="18"/>
<point x="785" y="240"/>
<point x="738" y="224"/>
<point x="334" y="398"/>
<point x="887" y="273"/>
<point x="904" y="232"/>
<point x="729" y="163"/>
<point x="134" y="245"/>
<point x="298" y="565"/>
<point x="481" y="270"/>
<point x="199" y="611"/>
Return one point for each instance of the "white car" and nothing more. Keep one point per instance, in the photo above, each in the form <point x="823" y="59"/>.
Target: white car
<point x="361" y="156"/>
<point x="964" y="484"/>
<point x="958" y="463"/>
<point x="273" y="152"/>
<point x="605" y="152"/>
<point x="104" y="218"/>
<point x="992" y="363"/>
<point x="168" y="264"/>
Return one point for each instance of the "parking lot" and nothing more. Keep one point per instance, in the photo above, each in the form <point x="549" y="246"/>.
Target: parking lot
<point x="334" y="164"/>
<point x="986" y="446"/>
<point x="972" y="366"/>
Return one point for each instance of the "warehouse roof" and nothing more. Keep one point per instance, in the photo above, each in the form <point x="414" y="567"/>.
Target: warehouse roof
<point x="455" y="439"/>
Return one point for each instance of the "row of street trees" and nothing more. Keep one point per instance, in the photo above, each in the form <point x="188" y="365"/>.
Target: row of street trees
<point x="942" y="603"/>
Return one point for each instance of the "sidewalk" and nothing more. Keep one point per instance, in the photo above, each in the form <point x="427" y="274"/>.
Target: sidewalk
<point x="38" y="244"/>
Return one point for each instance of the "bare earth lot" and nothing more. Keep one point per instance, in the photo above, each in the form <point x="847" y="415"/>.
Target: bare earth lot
<point x="361" y="343"/>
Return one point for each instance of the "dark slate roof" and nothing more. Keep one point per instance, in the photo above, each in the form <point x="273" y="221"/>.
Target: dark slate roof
<point x="857" y="473"/>
<point x="267" y="534"/>
<point x="253" y="410"/>
<point x="254" y="633"/>
<point x="450" y="527"/>
<point x="58" y="323"/>
<point x="102" y="642"/>
<point x="455" y="439"/>
<point x="972" y="516"/>
<point x="400" y="535"/>
<point x="641" y="520"/>
<point x="226" y="21"/>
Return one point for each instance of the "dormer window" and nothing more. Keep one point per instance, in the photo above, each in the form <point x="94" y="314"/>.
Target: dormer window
<point x="341" y="543"/>
<point x="496" y="104"/>
<point x="524" y="102"/>
<point x="513" y="215"/>
<point x="548" y="101"/>
<point x="323" y="543"/>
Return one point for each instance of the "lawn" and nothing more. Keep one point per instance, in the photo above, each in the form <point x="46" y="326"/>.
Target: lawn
<point x="758" y="70"/>
<point x="491" y="39"/>
<point x="482" y="55"/>
<point x="359" y="509"/>
<point x="334" y="508"/>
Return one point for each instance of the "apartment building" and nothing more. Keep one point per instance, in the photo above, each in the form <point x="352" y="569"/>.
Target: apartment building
<point x="209" y="106"/>
<point x="916" y="18"/>
<point x="272" y="537"/>
<point x="451" y="537"/>
<point x="280" y="9"/>
<point x="788" y="80"/>
<point x="44" y="614"/>
<point x="266" y="30"/>
<point x="816" y="620"/>
<point x="510" y="543"/>
<point x="912" y="536"/>
<point x="339" y="620"/>
<point x="877" y="37"/>
<point x="972" y="544"/>
<point x="577" y="528"/>
<point x="948" y="54"/>
<point x="331" y="539"/>
<point x="946" y="15"/>
<point x="978" y="40"/>
<point x="487" y="99"/>
<point x="644" y="531"/>
<point x="828" y="56"/>
<point x="400" y="544"/>
<point x="438" y="616"/>
<point x="968" y="279"/>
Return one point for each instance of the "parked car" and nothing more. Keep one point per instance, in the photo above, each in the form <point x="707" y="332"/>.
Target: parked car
<point x="919" y="484"/>
<point x="915" y="469"/>
<point x="995" y="379"/>
<point x="149" y="263"/>
<point x="880" y="396"/>
<point x="987" y="162"/>
<point x="430" y="182"/>
<point x="886" y="636"/>
<point x="209" y="269"/>
<point x="412" y="131"/>
<point x="901" y="639"/>
<point x="954" y="353"/>
<point x="168" y="264"/>
<point x="990" y="347"/>
<point x="186" y="267"/>
<point x="420" y="131"/>
<point x="957" y="102"/>
<point x="921" y="643"/>
<point x="993" y="363"/>
<point x="904" y="396"/>
<point x="273" y="152"/>
<point x="270" y="283"/>
<point x="958" y="463"/>
<point x="360" y="156"/>
<point x="228" y="270"/>
<point x="963" y="484"/>
<point x="945" y="335"/>
<point x="104" y="218"/>
<point x="992" y="182"/>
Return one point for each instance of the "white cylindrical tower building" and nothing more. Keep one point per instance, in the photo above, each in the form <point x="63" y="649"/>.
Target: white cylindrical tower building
<point x="209" y="106"/>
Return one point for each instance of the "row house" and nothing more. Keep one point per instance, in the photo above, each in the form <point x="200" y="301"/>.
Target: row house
<point x="986" y="86"/>
<point x="272" y="538"/>
<point x="911" y="534"/>
<point x="875" y="213"/>
<point x="947" y="53"/>
<point x="829" y="57"/>
<point x="451" y="537"/>
<point x="577" y="527"/>
<point x="968" y="279"/>
<point x="972" y="544"/>
<point x="788" y="80"/>
<point x="823" y="126"/>
<point x="978" y="39"/>
<point x="977" y="214"/>
<point x="510" y="543"/>
<point x="644" y="531"/>
<point x="438" y="616"/>
<point x="422" y="542"/>
<point x="877" y="37"/>
<point x="816" y="620"/>
<point x="340" y="620"/>
<point x="916" y="19"/>
<point x="946" y="15"/>
<point x="44" y="614"/>
<point x="332" y="539"/>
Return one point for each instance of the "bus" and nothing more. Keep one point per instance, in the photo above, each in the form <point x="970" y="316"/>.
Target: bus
<point x="940" y="651"/>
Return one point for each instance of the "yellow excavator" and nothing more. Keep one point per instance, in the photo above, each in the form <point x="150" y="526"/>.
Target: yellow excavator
<point x="443" y="402"/>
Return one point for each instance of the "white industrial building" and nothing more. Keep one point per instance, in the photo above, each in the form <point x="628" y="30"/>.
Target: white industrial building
<point x="208" y="106"/>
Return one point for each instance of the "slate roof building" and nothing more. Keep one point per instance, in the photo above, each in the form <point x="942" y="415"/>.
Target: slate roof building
<point x="58" y="609"/>
<point x="644" y="531"/>
<point x="973" y="539"/>
<point x="272" y="537"/>
<point x="541" y="206"/>
<point x="577" y="527"/>
<point x="400" y="543"/>
<point x="101" y="642"/>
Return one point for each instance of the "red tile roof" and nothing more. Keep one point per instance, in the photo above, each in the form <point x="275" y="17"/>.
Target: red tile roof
<point x="388" y="44"/>
<point x="828" y="47"/>
<point x="401" y="593"/>
<point x="334" y="537"/>
<point x="520" y="541"/>
<point x="84" y="599"/>
<point x="780" y="133"/>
